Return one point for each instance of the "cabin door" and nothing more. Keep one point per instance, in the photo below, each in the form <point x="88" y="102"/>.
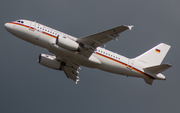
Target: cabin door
<point x="130" y="64"/>
<point x="32" y="25"/>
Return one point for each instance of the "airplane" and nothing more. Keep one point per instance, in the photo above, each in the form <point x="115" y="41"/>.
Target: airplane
<point x="70" y="52"/>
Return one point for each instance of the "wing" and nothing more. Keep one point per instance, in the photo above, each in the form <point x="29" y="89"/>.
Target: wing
<point x="90" y="43"/>
<point x="71" y="71"/>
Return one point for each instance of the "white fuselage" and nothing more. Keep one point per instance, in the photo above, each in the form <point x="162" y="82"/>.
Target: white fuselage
<point x="102" y="59"/>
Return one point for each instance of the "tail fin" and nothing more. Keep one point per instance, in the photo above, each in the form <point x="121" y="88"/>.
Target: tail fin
<point x="155" y="55"/>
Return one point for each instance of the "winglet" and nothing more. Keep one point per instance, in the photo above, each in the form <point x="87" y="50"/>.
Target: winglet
<point x="130" y="27"/>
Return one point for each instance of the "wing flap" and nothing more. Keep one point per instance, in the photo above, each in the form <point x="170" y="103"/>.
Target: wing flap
<point x="71" y="71"/>
<point x="72" y="74"/>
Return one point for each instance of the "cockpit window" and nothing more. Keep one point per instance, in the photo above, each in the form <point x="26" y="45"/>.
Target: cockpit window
<point x="20" y="21"/>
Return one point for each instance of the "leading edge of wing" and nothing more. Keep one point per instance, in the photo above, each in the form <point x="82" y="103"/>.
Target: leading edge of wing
<point x="117" y="30"/>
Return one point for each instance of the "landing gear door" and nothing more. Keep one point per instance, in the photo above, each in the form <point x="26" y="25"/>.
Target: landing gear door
<point x="130" y="64"/>
<point x="32" y="26"/>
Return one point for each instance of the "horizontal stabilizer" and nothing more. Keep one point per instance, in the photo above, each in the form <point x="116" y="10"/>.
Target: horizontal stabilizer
<point x="148" y="81"/>
<point x="157" y="69"/>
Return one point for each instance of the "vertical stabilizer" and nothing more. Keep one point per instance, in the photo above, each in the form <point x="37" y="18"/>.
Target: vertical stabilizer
<point x="155" y="55"/>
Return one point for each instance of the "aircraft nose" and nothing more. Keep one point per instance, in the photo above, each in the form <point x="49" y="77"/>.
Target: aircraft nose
<point x="6" y="25"/>
<point x="9" y="27"/>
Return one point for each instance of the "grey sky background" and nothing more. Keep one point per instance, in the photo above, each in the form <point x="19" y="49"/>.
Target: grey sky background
<point x="28" y="87"/>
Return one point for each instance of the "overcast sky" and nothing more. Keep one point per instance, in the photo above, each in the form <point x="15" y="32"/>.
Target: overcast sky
<point x="28" y="87"/>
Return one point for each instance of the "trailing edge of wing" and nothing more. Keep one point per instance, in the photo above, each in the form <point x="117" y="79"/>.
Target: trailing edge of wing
<point x="71" y="74"/>
<point x="71" y="71"/>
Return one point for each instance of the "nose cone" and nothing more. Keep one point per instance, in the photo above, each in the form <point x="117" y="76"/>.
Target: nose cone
<point x="10" y="27"/>
<point x="7" y="26"/>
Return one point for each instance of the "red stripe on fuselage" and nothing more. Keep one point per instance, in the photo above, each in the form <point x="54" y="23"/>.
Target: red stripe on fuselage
<point x="31" y="28"/>
<point x="19" y="24"/>
<point x="111" y="59"/>
<point x="49" y="34"/>
<point x="150" y="77"/>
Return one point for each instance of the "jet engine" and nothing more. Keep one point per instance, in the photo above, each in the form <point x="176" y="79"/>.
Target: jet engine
<point x="49" y="61"/>
<point x="67" y="43"/>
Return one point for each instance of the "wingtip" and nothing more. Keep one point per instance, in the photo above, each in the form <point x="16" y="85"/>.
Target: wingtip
<point x="130" y="27"/>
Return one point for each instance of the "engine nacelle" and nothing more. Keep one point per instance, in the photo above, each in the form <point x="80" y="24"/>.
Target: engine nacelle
<point x="49" y="61"/>
<point x="67" y="43"/>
